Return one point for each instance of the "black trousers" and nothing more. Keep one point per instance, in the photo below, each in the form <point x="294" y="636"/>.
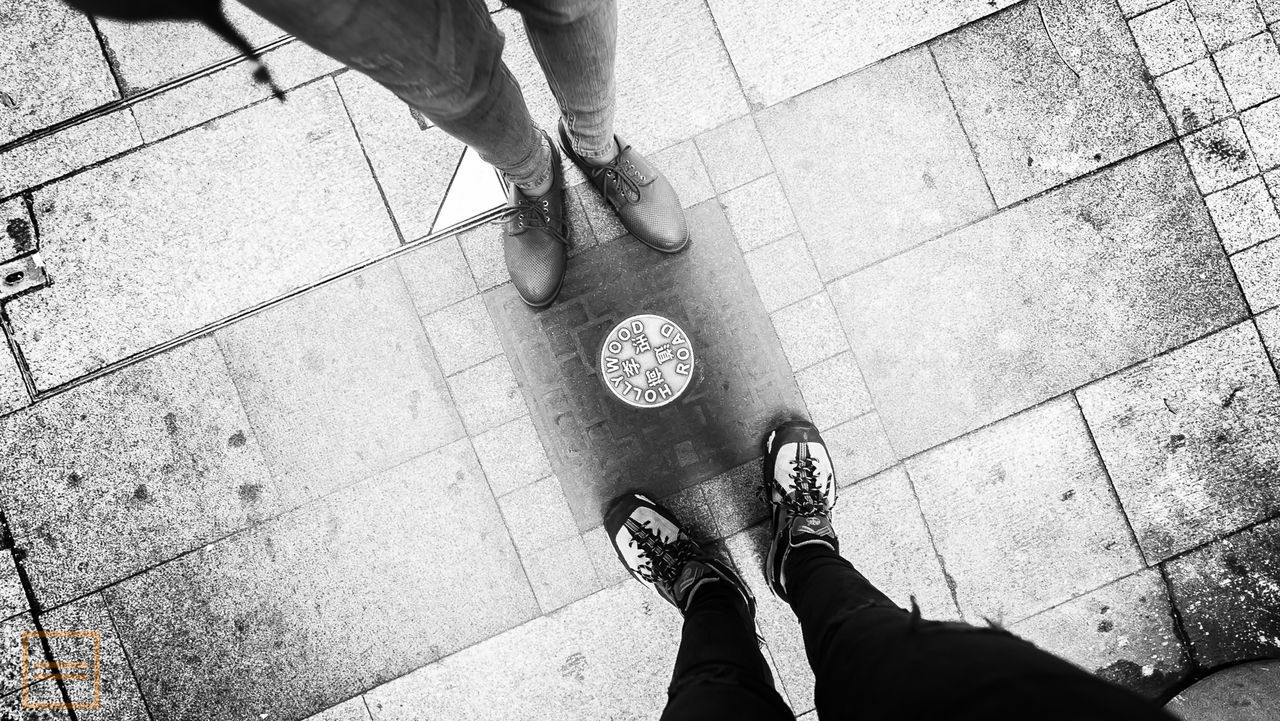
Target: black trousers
<point x="873" y="660"/>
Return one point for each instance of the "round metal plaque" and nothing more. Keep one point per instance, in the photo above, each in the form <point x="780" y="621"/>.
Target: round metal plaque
<point x="646" y="361"/>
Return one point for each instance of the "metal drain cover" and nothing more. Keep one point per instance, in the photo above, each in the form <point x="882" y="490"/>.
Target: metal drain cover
<point x="646" y="361"/>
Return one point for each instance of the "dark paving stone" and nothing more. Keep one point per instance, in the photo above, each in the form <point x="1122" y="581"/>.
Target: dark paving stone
<point x="600" y="447"/>
<point x="1228" y="594"/>
<point x="1249" y="690"/>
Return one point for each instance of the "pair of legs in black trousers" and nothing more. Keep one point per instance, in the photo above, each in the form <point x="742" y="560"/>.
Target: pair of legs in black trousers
<point x="874" y="660"/>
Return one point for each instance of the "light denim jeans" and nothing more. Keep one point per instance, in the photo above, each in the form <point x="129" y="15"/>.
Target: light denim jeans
<point x="444" y="58"/>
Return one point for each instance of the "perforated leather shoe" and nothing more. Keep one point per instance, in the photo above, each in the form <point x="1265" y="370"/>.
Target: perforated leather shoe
<point x="639" y="193"/>
<point x="535" y="239"/>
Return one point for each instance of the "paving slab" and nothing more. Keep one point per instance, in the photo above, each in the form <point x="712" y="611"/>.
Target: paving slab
<point x="1168" y="37"/>
<point x="413" y="160"/>
<point x="1227" y="593"/>
<point x="1220" y="155"/>
<point x="148" y="54"/>
<point x="1193" y="96"/>
<point x="604" y="558"/>
<point x="778" y="58"/>
<point x="809" y="331"/>
<point x="834" y="391"/>
<point x="487" y="395"/>
<point x="1258" y="269"/>
<point x="537" y="515"/>
<point x="462" y="335"/>
<point x="783" y="272"/>
<point x="659" y="101"/>
<point x="565" y="666"/>
<point x="759" y="212"/>
<point x="1250" y="70"/>
<point x="200" y="247"/>
<point x="561" y="573"/>
<point x="13" y="394"/>
<point x="859" y="448"/>
<point x="690" y="506"/>
<point x="734" y="153"/>
<point x="600" y="447"/>
<point x="1262" y="126"/>
<point x="1244" y="214"/>
<point x="1223" y="22"/>
<point x="353" y="709"/>
<point x="1124" y="632"/>
<point x="83" y="632"/>
<point x="340" y="383"/>
<point x="1023" y="515"/>
<point x="227" y="90"/>
<point x="883" y="534"/>
<point x="735" y="498"/>
<point x="13" y="598"/>
<point x="512" y="455"/>
<point x="20" y="234"/>
<point x="1048" y="91"/>
<point x="1191" y="440"/>
<point x="51" y="69"/>
<point x="327" y="601"/>
<point x="1269" y="329"/>
<point x="12" y="632"/>
<point x="437" y="275"/>
<point x="76" y="147"/>
<point x="115" y="476"/>
<point x="682" y="165"/>
<point x="1040" y="299"/>
<point x="896" y="169"/>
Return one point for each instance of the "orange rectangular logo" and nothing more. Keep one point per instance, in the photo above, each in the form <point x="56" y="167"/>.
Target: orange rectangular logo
<point x="85" y="649"/>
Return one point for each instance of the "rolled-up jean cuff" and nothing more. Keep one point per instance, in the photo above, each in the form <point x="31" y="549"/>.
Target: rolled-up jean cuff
<point x="534" y="169"/>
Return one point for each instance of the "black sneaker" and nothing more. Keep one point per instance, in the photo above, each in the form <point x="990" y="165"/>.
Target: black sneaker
<point x="653" y="547"/>
<point x="535" y="239"/>
<point x="639" y="193"/>
<point x="800" y="486"/>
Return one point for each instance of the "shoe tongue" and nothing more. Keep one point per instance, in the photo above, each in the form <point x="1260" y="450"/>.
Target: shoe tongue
<point x="812" y="529"/>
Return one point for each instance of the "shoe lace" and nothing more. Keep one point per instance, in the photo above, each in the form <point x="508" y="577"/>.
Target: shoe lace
<point x="621" y="179"/>
<point x="528" y="213"/>
<point x="809" y="497"/>
<point x="663" y="560"/>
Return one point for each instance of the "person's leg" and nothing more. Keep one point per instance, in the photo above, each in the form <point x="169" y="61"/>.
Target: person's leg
<point x="720" y="672"/>
<point x="442" y="57"/>
<point x="576" y="43"/>
<point x="874" y="660"/>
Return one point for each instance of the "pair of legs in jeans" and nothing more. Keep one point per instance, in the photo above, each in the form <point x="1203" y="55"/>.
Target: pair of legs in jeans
<point x="444" y="59"/>
<point x="871" y="659"/>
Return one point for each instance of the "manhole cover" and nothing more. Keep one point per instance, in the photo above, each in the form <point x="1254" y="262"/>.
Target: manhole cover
<point x="646" y="361"/>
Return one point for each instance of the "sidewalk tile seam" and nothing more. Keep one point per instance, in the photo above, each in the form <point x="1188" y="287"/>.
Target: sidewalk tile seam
<point x="968" y="138"/>
<point x="952" y="586"/>
<point x="124" y="650"/>
<point x="1111" y="485"/>
<point x="1179" y="624"/>
<point x="377" y="182"/>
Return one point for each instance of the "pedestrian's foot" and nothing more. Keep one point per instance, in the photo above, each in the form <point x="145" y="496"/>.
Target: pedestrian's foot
<point x="657" y="551"/>
<point x="800" y="485"/>
<point x="536" y="238"/>
<point x="640" y="194"/>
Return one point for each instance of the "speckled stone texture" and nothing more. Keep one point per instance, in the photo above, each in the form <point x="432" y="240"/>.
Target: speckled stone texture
<point x="51" y="67"/>
<point x="1042" y="298"/>
<point x="895" y="167"/>
<point x="147" y="54"/>
<point x="564" y="667"/>
<point x="227" y="90"/>
<point x="336" y="401"/>
<point x="781" y="52"/>
<point x="326" y="602"/>
<point x="600" y="447"/>
<point x="1227" y="593"/>
<point x="1192" y="440"/>
<point x="19" y="234"/>
<point x="1023" y="515"/>
<point x="116" y="691"/>
<point x="111" y="478"/>
<point x="13" y="394"/>
<point x="54" y="156"/>
<point x="1124" y="632"/>
<point x="1049" y="91"/>
<point x="208" y="233"/>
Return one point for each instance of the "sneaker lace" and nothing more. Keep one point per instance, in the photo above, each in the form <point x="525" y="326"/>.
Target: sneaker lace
<point x="528" y="213"/>
<point x="809" y="497"/>
<point x="663" y="560"/>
